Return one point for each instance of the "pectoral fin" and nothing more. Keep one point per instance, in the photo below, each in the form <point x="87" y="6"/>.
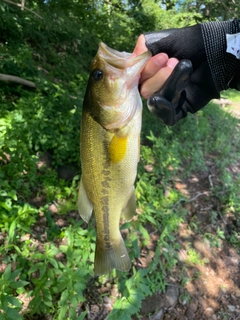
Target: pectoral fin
<point x="130" y="208"/>
<point x="85" y="207"/>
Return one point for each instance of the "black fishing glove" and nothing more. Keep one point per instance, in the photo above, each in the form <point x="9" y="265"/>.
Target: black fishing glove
<point x="213" y="69"/>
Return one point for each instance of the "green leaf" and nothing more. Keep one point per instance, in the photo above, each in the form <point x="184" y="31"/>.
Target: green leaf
<point x="7" y="273"/>
<point x="18" y="284"/>
<point x="151" y="219"/>
<point x="53" y="262"/>
<point x="46" y="294"/>
<point x="15" y="274"/>
<point x="3" y="193"/>
<point x="6" y="205"/>
<point x="144" y="232"/>
<point x="82" y="316"/>
<point x="64" y="297"/>
<point x="12" y="194"/>
<point x="35" y="267"/>
<point x="12" y="300"/>
<point x="48" y="303"/>
<point x="42" y="270"/>
<point x="12" y="314"/>
<point x="63" y="311"/>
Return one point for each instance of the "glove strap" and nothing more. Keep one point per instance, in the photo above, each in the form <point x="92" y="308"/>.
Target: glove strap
<point x="222" y="64"/>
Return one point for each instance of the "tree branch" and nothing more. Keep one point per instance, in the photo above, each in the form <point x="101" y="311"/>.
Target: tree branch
<point x="23" y="7"/>
<point x="22" y="4"/>
<point x="7" y="77"/>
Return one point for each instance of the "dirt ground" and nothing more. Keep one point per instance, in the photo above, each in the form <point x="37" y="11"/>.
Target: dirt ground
<point x="213" y="291"/>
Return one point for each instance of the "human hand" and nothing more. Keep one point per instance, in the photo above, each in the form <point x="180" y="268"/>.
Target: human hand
<point x="184" y="91"/>
<point x="157" y="70"/>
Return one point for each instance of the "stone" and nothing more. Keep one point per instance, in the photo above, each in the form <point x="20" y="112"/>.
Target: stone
<point x="209" y="311"/>
<point x="237" y="293"/>
<point x="191" y="310"/>
<point x="152" y="303"/>
<point x="231" y="308"/>
<point x="171" y="296"/>
<point x="157" y="316"/>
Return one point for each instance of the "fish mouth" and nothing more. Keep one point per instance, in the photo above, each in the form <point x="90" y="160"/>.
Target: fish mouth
<point x="123" y="60"/>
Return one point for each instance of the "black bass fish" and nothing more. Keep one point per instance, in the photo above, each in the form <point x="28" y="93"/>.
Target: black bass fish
<point x="110" y="147"/>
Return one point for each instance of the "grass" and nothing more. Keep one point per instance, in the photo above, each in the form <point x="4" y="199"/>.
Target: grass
<point x="232" y="95"/>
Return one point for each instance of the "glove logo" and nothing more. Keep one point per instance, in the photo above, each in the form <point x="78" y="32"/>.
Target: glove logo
<point x="233" y="44"/>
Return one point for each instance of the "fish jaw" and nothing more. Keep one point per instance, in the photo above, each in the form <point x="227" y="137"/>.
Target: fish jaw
<point x="131" y="64"/>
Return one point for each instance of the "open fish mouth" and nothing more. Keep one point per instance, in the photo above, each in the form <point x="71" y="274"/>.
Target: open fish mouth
<point x="122" y="60"/>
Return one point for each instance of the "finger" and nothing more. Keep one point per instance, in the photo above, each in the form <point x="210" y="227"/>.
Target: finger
<point x="153" y="66"/>
<point x="140" y="45"/>
<point x="154" y="83"/>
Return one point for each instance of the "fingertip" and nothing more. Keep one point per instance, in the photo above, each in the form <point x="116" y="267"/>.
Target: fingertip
<point x="160" y="59"/>
<point x="153" y="66"/>
<point x="144" y="94"/>
<point x="172" y="62"/>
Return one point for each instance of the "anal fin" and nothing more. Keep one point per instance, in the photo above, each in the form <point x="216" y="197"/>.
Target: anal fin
<point x="85" y="207"/>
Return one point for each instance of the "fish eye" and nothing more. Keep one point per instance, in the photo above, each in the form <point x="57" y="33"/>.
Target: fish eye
<point x="97" y="74"/>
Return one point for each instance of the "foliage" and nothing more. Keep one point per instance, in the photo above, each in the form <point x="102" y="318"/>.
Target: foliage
<point x="40" y="260"/>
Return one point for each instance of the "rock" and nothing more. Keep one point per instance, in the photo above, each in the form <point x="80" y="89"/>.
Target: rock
<point x="171" y="296"/>
<point x="160" y="300"/>
<point x="191" y="310"/>
<point x="53" y="208"/>
<point x="237" y="293"/>
<point x="209" y="311"/>
<point x="182" y="255"/>
<point x="231" y="308"/>
<point x="148" y="168"/>
<point x="157" y="316"/>
<point x="152" y="303"/>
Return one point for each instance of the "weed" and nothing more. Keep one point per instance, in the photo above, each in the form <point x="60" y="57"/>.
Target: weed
<point x="193" y="257"/>
<point x="215" y="240"/>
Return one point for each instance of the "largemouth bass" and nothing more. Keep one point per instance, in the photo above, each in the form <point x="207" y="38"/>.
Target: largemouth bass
<point x="110" y="143"/>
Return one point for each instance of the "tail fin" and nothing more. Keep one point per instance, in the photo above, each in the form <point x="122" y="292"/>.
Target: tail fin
<point x="107" y="259"/>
